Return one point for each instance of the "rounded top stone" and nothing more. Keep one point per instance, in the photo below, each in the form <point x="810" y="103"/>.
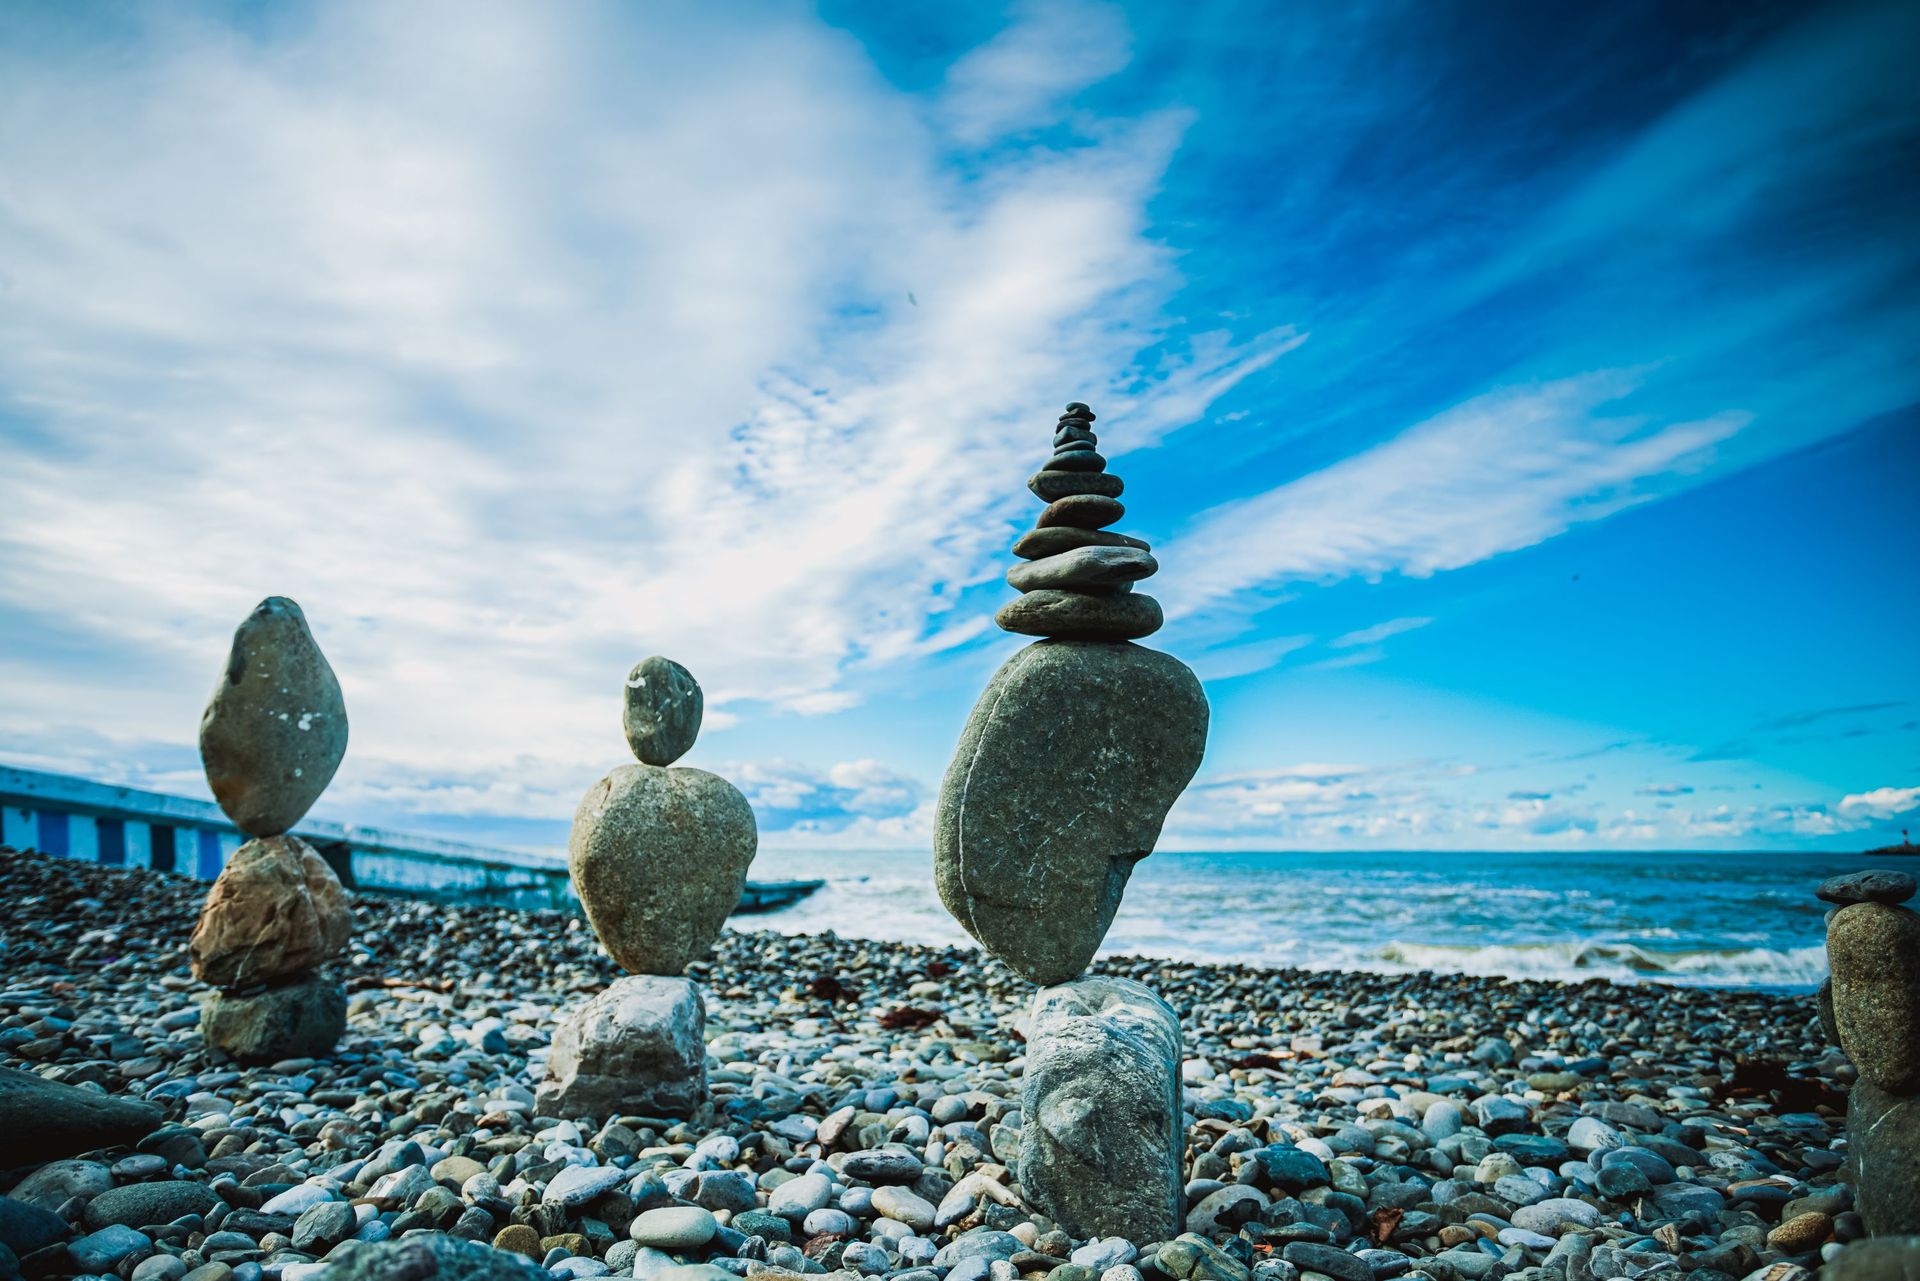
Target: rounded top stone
<point x="663" y="710"/>
<point x="1077" y="410"/>
<point x="1875" y="885"/>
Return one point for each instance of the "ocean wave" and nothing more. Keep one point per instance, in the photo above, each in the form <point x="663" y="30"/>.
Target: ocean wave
<point x="1576" y="959"/>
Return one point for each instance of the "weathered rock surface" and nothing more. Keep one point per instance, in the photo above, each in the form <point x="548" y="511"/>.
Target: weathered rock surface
<point x="1074" y="616"/>
<point x="1076" y="459"/>
<point x="1876" y="885"/>
<point x="276" y="910"/>
<point x="276" y="728"/>
<point x="663" y="711"/>
<point x="1100" y="1152"/>
<point x="136" y="1205"/>
<point x="43" y="1120"/>
<point x="429" y="1256"/>
<point x="1048" y="485"/>
<point x="637" y="1048"/>
<point x="1061" y="781"/>
<point x="1891" y="1258"/>
<point x="1053" y="540"/>
<point x="1883" y="1147"/>
<point x="1084" y="569"/>
<point x="1873" y="950"/>
<point x="294" y="1020"/>
<point x="659" y="857"/>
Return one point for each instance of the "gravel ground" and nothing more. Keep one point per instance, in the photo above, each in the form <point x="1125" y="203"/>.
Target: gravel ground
<point x="866" y="1119"/>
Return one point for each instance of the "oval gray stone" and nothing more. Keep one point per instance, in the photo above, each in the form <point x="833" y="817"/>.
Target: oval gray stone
<point x="1060" y="783"/>
<point x="1038" y="543"/>
<point x="1078" y="616"/>
<point x="1100" y="1150"/>
<point x="1049" y="485"/>
<point x="1082" y="511"/>
<point x="638" y="1047"/>
<point x="275" y="729"/>
<point x="1873" y="950"/>
<point x="659" y="857"/>
<point x="296" y="1020"/>
<point x="1083" y="569"/>
<point x="664" y="706"/>
<point x="1872" y="886"/>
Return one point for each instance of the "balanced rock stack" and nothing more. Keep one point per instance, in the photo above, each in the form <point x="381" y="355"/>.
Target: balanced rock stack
<point x="272" y="736"/>
<point x="1062" y="779"/>
<point x="1873" y="952"/>
<point x="658" y="857"/>
<point x="1078" y="579"/>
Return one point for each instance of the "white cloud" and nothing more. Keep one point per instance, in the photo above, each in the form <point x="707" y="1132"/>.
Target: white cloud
<point x="518" y="342"/>
<point x="1020" y="79"/>
<point x="1498" y="473"/>
<point x="1378" y="632"/>
<point x="1881" y="802"/>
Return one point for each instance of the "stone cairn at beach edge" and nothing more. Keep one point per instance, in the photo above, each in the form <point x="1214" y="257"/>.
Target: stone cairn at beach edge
<point x="1061" y="781"/>
<point x="271" y="738"/>
<point x="1870" y="1008"/>
<point x="658" y="855"/>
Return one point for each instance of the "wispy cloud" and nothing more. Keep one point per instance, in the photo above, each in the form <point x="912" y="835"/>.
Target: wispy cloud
<point x="1378" y="632"/>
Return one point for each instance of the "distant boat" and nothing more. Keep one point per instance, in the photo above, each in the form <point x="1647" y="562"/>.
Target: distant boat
<point x="771" y="896"/>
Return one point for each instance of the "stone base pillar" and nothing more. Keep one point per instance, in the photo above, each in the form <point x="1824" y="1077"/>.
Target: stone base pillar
<point x="297" y="1019"/>
<point x="638" y="1048"/>
<point x="1100" y="1146"/>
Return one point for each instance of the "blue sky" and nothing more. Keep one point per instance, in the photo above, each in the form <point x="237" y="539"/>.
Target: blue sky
<point x="1521" y="403"/>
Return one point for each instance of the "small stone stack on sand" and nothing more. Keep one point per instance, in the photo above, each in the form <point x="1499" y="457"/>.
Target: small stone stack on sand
<point x="1078" y="579"/>
<point x="1062" y="779"/>
<point x="272" y="736"/>
<point x="1873" y="1009"/>
<point x="658" y="856"/>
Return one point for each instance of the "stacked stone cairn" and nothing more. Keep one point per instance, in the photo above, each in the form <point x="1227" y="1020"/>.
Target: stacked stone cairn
<point x="272" y="736"/>
<point x="1062" y="779"/>
<point x="1870" y="1007"/>
<point x="658" y="855"/>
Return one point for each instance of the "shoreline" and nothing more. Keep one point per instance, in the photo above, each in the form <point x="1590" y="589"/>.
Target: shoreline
<point x="1404" y="1089"/>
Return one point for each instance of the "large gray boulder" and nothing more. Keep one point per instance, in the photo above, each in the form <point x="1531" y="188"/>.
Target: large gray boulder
<point x="44" y="1120"/>
<point x="1893" y="1258"/>
<point x="428" y="1256"/>
<point x="637" y="1048"/>
<point x="659" y="857"/>
<point x="1883" y="1153"/>
<point x="275" y="729"/>
<point x="295" y="1020"/>
<point x="1873" y="950"/>
<point x="1060" y="784"/>
<point x="1100" y="1144"/>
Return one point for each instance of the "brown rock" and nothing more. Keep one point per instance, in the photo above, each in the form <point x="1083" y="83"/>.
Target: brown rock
<point x="1873" y="950"/>
<point x="1082" y="511"/>
<point x="1801" y="1233"/>
<point x="277" y="909"/>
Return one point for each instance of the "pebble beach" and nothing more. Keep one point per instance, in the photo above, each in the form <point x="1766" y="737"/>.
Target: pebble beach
<point x="865" y="1116"/>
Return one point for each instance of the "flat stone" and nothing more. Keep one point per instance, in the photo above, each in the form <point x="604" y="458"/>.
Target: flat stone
<point x="275" y="729"/>
<point x="100" y="1251"/>
<point x="1871" y="886"/>
<point x="578" y="1184"/>
<point x="276" y="909"/>
<point x="1112" y="733"/>
<point x="46" y="1120"/>
<point x="664" y="707"/>
<point x="1077" y="616"/>
<point x="1076" y="458"/>
<point x="1100" y="1150"/>
<point x="321" y="1227"/>
<point x="1073" y="433"/>
<point x="903" y="1205"/>
<point x="1883" y="1149"/>
<point x="674" y="1228"/>
<point x="1048" y="486"/>
<point x="639" y="1047"/>
<point x="25" y="1228"/>
<point x="1082" y="511"/>
<point x="1873" y="950"/>
<point x="139" y="1204"/>
<point x="1327" y="1260"/>
<point x="301" y="1019"/>
<point x="883" y="1165"/>
<point x="1083" y="569"/>
<point x="1038" y="543"/>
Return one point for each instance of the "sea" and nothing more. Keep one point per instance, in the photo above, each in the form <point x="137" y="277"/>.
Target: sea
<point x="1743" y="920"/>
